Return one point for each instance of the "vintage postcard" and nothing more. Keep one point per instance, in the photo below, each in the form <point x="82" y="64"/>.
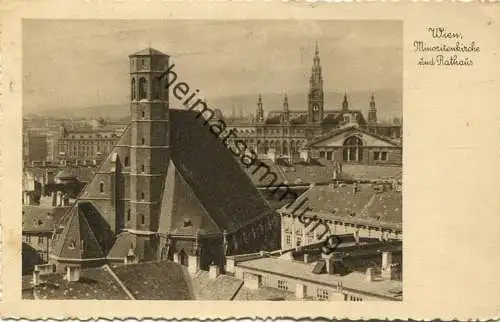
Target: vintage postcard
<point x="282" y="159"/>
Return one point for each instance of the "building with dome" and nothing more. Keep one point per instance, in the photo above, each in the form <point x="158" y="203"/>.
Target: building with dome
<point x="286" y="132"/>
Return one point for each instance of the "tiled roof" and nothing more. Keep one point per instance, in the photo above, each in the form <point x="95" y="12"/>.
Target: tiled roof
<point x="231" y="199"/>
<point x="66" y="173"/>
<point x="163" y="280"/>
<point x="148" y="52"/>
<point x="94" y="284"/>
<point x="365" y="205"/>
<point x="223" y="287"/>
<point x="123" y="243"/>
<point x="77" y="240"/>
<point x="41" y="219"/>
<point x="353" y="280"/>
<point x="264" y="294"/>
<point x="320" y="171"/>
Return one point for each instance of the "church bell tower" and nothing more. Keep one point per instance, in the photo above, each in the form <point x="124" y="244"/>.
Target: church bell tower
<point x="316" y="94"/>
<point x="150" y="139"/>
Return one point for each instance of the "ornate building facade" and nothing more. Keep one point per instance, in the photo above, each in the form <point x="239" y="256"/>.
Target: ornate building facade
<point x="287" y="131"/>
<point x="87" y="142"/>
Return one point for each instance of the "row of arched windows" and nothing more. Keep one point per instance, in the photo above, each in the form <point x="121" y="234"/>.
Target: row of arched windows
<point x="143" y="89"/>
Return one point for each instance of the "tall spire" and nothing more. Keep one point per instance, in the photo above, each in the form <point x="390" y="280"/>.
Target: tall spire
<point x="315" y="97"/>
<point x="259" y="115"/>
<point x="372" y="111"/>
<point x="286" y="114"/>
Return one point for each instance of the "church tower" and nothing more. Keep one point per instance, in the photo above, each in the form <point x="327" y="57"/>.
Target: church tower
<point x="372" y="111"/>
<point x="149" y="145"/>
<point x="315" y="97"/>
<point x="259" y="115"/>
<point x="286" y="111"/>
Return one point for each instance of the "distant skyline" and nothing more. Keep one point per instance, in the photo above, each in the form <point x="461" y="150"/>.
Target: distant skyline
<point x="71" y="64"/>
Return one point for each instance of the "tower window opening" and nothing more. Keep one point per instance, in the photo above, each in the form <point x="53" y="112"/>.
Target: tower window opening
<point x="143" y="141"/>
<point x="142" y="195"/>
<point x="128" y="214"/>
<point x="143" y="88"/>
<point x="132" y="87"/>
<point x="143" y="114"/>
<point x="156" y="92"/>
<point x="127" y="162"/>
<point x="101" y="187"/>
<point x="143" y="219"/>
<point x="142" y="168"/>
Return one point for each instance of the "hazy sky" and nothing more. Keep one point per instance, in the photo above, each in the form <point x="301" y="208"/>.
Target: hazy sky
<point x="79" y="63"/>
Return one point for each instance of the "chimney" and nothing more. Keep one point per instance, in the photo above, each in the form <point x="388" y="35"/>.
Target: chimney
<point x="300" y="291"/>
<point x="305" y="155"/>
<point x="193" y="264"/>
<point x="356" y="236"/>
<point x="73" y="273"/>
<point x="130" y="258"/>
<point x="176" y="257"/>
<point x="370" y="274"/>
<point x="330" y="260"/>
<point x="59" y="199"/>
<point x="54" y="199"/>
<point x="65" y="200"/>
<point x="213" y="271"/>
<point x="36" y="277"/>
<point x="230" y="265"/>
<point x="386" y="264"/>
<point x="271" y="154"/>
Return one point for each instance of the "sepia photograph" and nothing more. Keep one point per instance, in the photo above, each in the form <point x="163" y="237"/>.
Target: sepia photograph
<point x="250" y="160"/>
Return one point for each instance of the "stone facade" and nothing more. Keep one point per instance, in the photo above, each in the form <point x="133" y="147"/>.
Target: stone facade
<point x="287" y="131"/>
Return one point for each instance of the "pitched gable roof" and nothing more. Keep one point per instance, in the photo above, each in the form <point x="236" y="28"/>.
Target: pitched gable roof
<point x="77" y="241"/>
<point x="178" y="202"/>
<point x="353" y="128"/>
<point x="215" y="177"/>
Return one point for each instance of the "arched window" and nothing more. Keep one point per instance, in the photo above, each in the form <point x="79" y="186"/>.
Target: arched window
<point x="143" y="219"/>
<point x="101" y="187"/>
<point x="142" y="168"/>
<point x="142" y="195"/>
<point x="143" y="141"/>
<point x="128" y="214"/>
<point x="132" y="88"/>
<point x="143" y="114"/>
<point x="126" y="162"/>
<point x="157" y="89"/>
<point x="353" y="149"/>
<point x="143" y="88"/>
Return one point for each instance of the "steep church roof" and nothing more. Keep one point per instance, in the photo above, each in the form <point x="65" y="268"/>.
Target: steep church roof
<point x="203" y="183"/>
<point x="212" y="174"/>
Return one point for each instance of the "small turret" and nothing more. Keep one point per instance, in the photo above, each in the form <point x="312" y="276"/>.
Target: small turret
<point x="372" y="111"/>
